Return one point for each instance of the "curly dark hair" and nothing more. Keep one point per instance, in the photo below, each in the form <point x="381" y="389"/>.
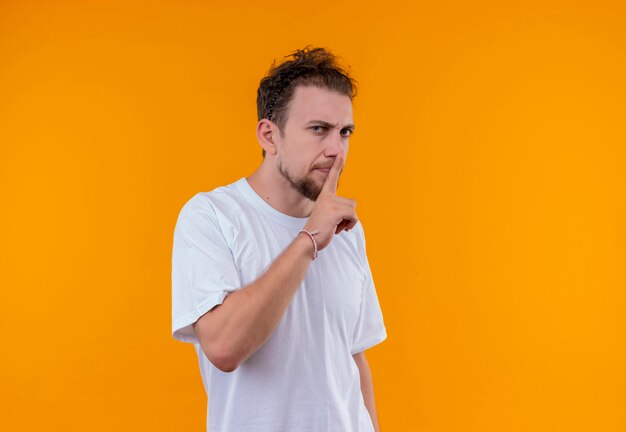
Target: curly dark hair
<point x="309" y="66"/>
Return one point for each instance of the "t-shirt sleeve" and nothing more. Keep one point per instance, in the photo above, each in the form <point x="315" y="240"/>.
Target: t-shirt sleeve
<point x="370" y="328"/>
<point x="203" y="270"/>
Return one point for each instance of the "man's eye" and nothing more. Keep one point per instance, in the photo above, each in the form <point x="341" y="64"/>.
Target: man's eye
<point x="347" y="132"/>
<point x="319" y="128"/>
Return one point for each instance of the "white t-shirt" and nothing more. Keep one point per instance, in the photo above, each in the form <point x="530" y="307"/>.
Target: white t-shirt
<point x="303" y="379"/>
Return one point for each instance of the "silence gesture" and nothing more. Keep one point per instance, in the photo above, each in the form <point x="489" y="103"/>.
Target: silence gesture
<point x="331" y="214"/>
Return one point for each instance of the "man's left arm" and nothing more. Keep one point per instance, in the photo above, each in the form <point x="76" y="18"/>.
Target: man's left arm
<point x="367" y="387"/>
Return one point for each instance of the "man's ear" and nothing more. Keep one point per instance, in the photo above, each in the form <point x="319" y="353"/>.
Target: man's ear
<point x="267" y="134"/>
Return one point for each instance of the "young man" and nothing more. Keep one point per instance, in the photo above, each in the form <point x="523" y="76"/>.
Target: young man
<point x="270" y="278"/>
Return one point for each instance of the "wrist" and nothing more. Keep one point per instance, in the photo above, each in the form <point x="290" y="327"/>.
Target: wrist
<point x="309" y="238"/>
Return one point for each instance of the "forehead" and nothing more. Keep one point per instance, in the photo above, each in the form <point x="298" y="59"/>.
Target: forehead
<point x="314" y="103"/>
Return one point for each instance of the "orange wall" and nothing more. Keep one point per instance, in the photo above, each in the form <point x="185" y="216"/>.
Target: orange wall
<point x="489" y="166"/>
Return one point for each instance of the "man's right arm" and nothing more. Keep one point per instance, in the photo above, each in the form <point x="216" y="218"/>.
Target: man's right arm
<point x="234" y="330"/>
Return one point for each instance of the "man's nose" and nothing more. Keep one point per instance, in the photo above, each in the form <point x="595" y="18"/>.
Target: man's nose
<point x="335" y="144"/>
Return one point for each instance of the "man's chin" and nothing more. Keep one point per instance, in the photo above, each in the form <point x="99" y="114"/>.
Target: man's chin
<point x="311" y="189"/>
<point x="315" y="187"/>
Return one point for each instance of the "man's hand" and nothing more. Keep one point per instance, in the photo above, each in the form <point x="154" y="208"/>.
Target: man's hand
<point x="331" y="214"/>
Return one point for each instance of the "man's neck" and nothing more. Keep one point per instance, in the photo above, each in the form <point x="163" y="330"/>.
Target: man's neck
<point x="276" y="191"/>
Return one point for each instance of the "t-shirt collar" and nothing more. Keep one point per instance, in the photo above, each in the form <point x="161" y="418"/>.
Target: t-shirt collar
<point x="260" y="204"/>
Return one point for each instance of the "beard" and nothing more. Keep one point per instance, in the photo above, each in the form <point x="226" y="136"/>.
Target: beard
<point x="305" y="186"/>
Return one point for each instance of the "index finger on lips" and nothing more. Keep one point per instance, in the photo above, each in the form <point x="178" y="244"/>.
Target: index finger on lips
<point x="330" y="185"/>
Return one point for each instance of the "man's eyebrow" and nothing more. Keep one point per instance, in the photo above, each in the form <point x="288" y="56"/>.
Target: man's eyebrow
<point x="329" y="125"/>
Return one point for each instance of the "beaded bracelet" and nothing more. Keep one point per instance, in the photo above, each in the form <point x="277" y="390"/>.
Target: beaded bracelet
<point x="311" y="234"/>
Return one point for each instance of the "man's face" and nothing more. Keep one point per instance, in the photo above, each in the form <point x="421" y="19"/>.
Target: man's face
<point x="319" y="124"/>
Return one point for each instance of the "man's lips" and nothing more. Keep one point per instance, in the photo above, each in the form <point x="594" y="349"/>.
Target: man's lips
<point x="324" y="168"/>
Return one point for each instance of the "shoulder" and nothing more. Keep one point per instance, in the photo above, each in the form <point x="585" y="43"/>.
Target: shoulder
<point x="218" y="213"/>
<point x="201" y="213"/>
<point x="213" y="203"/>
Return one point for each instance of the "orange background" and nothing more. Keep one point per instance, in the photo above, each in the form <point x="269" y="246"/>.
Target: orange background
<point x="488" y="163"/>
